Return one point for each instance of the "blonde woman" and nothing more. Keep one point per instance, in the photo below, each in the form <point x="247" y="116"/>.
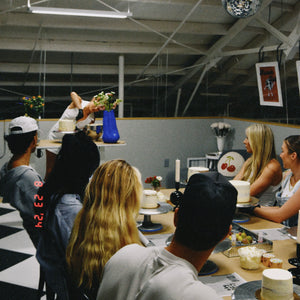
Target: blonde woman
<point x="261" y="169"/>
<point x="106" y="222"/>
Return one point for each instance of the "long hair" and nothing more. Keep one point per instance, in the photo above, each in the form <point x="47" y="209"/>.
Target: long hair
<point x="75" y="163"/>
<point x="261" y="141"/>
<point x="106" y="222"/>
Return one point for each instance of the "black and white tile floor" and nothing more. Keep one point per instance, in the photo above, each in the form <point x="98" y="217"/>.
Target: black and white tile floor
<point x="19" y="269"/>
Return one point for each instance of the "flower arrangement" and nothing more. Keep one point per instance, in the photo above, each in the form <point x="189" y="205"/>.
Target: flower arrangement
<point x="107" y="100"/>
<point x="154" y="181"/>
<point x="220" y="129"/>
<point x="33" y="106"/>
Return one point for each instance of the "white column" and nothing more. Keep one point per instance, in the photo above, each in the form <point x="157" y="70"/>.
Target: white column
<point x="121" y="86"/>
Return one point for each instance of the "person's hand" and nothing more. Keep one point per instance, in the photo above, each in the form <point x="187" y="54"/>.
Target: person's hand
<point x="248" y="210"/>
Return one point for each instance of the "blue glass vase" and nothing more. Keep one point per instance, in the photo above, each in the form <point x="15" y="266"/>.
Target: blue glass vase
<point x="110" y="130"/>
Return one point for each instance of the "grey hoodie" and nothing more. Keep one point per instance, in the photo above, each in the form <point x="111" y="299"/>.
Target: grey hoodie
<point x="18" y="186"/>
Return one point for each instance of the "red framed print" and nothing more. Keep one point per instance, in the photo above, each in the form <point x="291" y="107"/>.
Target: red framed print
<point x="269" y="86"/>
<point x="298" y="73"/>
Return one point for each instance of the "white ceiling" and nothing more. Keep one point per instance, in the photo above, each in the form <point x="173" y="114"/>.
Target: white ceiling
<point x="169" y="46"/>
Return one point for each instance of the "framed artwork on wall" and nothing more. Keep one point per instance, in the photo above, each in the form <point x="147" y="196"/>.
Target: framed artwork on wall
<point x="269" y="87"/>
<point x="298" y="73"/>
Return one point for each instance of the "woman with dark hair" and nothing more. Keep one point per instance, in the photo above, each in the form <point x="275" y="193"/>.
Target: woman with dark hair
<point x="288" y="198"/>
<point x="61" y="199"/>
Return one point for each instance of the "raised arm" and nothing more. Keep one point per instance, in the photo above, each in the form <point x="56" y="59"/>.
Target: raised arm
<point x="76" y="101"/>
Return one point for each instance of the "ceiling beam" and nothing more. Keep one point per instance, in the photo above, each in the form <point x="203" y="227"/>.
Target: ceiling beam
<point x="85" y="69"/>
<point x="94" y="47"/>
<point x="167" y="27"/>
<point x="215" y="50"/>
<point x="275" y="32"/>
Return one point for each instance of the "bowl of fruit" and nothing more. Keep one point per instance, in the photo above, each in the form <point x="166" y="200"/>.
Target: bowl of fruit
<point x="242" y="237"/>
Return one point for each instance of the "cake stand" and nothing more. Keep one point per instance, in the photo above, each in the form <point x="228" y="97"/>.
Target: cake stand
<point x="251" y="290"/>
<point x="147" y="225"/>
<point x="242" y="218"/>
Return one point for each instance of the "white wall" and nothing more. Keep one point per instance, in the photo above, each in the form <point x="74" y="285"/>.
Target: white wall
<point x="151" y="141"/>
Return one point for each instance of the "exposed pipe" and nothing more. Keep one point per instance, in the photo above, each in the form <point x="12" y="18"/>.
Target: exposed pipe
<point x="4" y="144"/>
<point x="177" y="102"/>
<point x="195" y="89"/>
<point x="121" y="86"/>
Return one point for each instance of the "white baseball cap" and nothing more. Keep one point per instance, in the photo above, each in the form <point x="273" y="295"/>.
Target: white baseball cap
<point x="22" y="125"/>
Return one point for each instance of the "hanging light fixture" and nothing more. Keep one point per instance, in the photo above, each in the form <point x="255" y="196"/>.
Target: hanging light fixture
<point x="241" y="8"/>
<point x="77" y="12"/>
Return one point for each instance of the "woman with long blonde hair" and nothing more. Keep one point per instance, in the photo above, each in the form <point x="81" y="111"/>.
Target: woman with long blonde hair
<point x="106" y="222"/>
<point x="262" y="168"/>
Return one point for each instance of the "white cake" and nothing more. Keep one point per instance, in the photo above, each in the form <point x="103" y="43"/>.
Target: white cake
<point x="194" y="170"/>
<point x="66" y="125"/>
<point x="150" y="199"/>
<point x="277" y="284"/>
<point x="250" y="257"/>
<point x="243" y="189"/>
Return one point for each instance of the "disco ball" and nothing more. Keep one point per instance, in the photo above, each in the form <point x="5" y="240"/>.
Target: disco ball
<point x="241" y="8"/>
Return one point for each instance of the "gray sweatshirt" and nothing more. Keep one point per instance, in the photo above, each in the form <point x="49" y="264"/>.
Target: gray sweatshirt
<point x="18" y="186"/>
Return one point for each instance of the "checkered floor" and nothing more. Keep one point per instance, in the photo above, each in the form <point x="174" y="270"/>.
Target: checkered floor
<point x="19" y="269"/>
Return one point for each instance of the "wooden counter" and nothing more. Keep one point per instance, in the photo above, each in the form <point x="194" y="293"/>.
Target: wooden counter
<point x="283" y="249"/>
<point x="48" y="144"/>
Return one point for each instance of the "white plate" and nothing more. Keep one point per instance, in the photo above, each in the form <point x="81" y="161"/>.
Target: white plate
<point x="230" y="164"/>
<point x="253" y="201"/>
<point x="60" y="134"/>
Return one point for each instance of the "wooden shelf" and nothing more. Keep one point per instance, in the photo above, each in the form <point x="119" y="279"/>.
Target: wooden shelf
<point x="48" y="144"/>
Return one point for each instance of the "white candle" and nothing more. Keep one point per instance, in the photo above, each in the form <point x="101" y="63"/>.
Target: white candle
<point x="177" y="170"/>
<point x="298" y="228"/>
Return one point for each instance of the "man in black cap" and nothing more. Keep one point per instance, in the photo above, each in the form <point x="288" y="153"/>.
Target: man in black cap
<point x="202" y="220"/>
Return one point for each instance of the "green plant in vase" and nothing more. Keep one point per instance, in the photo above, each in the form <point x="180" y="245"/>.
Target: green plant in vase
<point x="33" y="106"/>
<point x="107" y="100"/>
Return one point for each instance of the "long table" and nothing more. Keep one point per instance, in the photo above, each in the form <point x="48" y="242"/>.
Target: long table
<point x="283" y="249"/>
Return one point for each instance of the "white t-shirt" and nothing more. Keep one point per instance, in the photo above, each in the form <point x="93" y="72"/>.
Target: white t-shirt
<point x="139" y="273"/>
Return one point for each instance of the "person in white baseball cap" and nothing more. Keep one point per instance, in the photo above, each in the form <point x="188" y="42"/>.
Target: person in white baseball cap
<point x="19" y="182"/>
<point x="22" y="125"/>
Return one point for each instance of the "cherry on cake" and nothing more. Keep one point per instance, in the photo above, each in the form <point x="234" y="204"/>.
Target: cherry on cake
<point x="150" y="199"/>
<point x="277" y="284"/>
<point x="66" y="125"/>
<point x="243" y="189"/>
